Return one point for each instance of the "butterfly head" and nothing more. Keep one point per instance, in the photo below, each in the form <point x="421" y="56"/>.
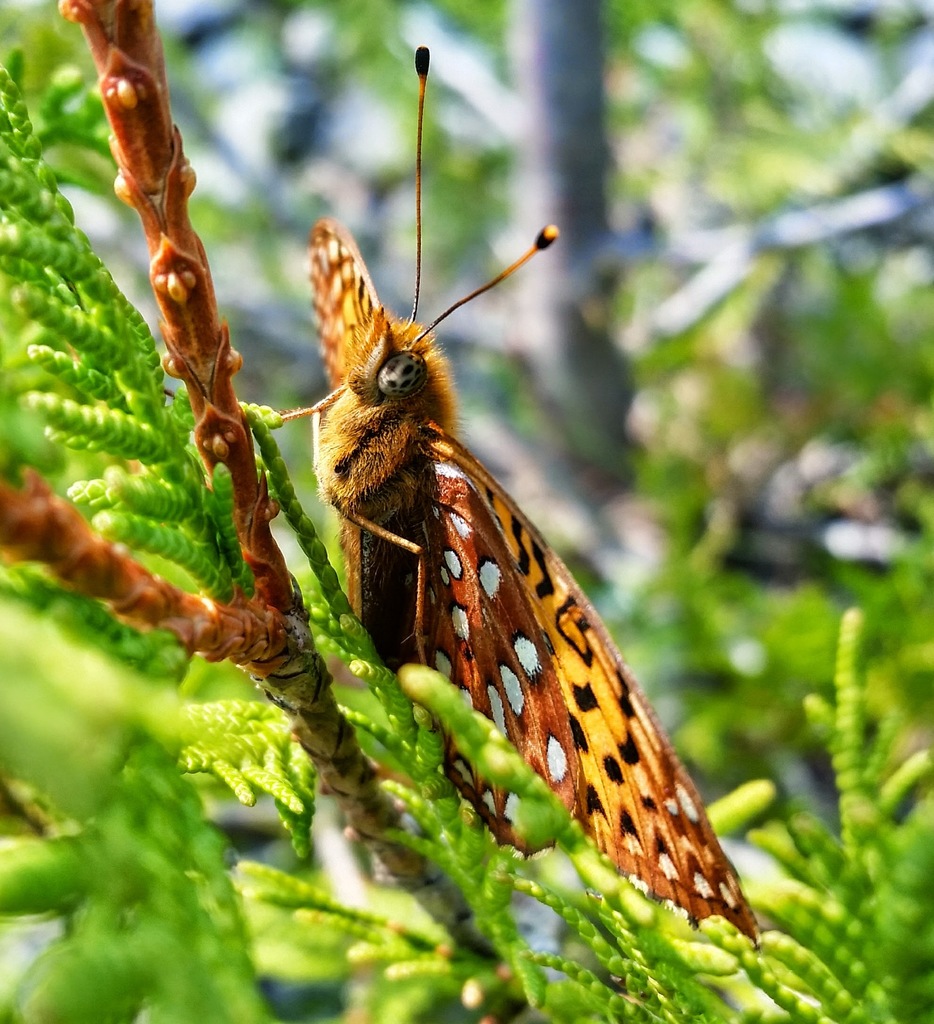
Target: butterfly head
<point x="396" y="390"/>
<point x="394" y="371"/>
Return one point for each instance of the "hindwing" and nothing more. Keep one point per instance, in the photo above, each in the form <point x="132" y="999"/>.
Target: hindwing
<point x="530" y="652"/>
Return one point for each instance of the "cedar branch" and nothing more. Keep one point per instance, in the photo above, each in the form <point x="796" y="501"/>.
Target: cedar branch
<point x="156" y="179"/>
<point x="36" y="525"/>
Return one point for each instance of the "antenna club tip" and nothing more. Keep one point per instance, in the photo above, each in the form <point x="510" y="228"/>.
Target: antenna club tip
<point x="546" y="236"/>
<point x="422" y="58"/>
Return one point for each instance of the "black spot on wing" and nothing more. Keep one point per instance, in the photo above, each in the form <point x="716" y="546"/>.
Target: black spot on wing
<point x="594" y="804"/>
<point x="573" y="626"/>
<point x="578" y="734"/>
<point x="613" y="771"/>
<point x="629" y="751"/>
<point x="625" y="701"/>
<point x="523" y="563"/>
<point x="544" y="587"/>
<point x="585" y="698"/>
<point x="627" y="825"/>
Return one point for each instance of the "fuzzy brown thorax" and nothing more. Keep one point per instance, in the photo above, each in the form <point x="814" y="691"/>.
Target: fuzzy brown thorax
<point x="374" y="436"/>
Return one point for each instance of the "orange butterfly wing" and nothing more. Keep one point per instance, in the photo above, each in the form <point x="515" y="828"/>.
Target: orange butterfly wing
<point x="344" y="300"/>
<point x="344" y="296"/>
<point x="481" y="629"/>
<point x="539" y="662"/>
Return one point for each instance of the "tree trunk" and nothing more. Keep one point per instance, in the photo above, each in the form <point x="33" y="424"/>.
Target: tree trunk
<point x="566" y="303"/>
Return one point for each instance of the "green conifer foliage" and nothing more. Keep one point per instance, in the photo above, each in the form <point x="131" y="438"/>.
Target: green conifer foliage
<point x="109" y="776"/>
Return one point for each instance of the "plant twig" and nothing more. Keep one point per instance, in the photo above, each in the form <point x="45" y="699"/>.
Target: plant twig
<point x="156" y="179"/>
<point x="36" y="525"/>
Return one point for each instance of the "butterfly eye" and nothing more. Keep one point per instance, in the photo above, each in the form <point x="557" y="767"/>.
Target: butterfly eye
<point x="402" y="374"/>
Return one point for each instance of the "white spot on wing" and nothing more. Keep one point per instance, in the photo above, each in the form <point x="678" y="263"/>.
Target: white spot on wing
<point x="513" y="689"/>
<point x="453" y="563"/>
<point x="557" y="759"/>
<point x="490" y="803"/>
<point x="465" y="696"/>
<point x="512" y="805"/>
<point x="702" y="886"/>
<point x="490" y="576"/>
<point x="446" y="469"/>
<point x="527" y="655"/>
<point x="443" y="663"/>
<point x="462" y="769"/>
<point x="728" y="896"/>
<point x="496" y="705"/>
<point x="668" y="867"/>
<point x="687" y="804"/>
<point x="445" y="578"/>
<point x="671" y="805"/>
<point x="461" y="525"/>
<point x="459" y="618"/>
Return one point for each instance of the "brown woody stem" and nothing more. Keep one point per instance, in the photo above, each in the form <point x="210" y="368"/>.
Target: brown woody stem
<point x="156" y="179"/>
<point x="36" y="525"/>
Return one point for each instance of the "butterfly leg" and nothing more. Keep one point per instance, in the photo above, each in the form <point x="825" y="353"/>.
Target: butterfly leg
<point x="316" y="409"/>
<point x="420" y="609"/>
<point x="384" y="534"/>
<point x="314" y="412"/>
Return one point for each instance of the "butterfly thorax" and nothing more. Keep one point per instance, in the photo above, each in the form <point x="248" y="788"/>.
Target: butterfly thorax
<point x="375" y="437"/>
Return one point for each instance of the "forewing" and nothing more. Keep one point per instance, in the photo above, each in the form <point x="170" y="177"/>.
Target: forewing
<point x="524" y="643"/>
<point x="344" y="295"/>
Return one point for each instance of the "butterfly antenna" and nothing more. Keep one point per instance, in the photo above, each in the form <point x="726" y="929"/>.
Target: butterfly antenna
<point x="422" y="57"/>
<point x="545" y="237"/>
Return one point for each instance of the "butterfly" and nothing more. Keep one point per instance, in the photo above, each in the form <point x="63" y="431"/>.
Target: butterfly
<point x="445" y="569"/>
